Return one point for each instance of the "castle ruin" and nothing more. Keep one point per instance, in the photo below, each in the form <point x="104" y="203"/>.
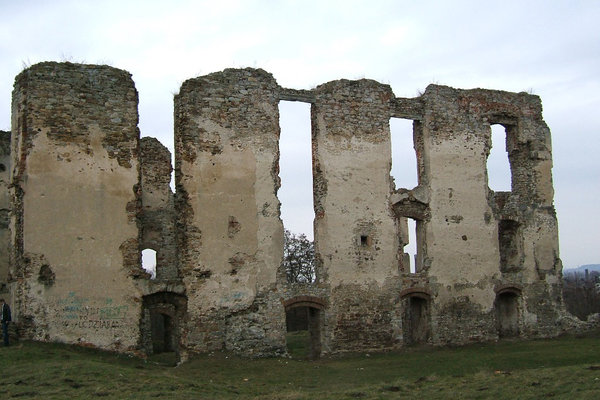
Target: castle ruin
<point x="81" y="195"/>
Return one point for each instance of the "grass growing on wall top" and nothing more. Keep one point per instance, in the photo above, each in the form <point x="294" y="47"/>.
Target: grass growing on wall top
<point x="562" y="368"/>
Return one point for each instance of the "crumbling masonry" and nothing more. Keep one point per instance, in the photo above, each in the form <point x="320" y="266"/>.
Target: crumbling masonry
<point x="86" y="195"/>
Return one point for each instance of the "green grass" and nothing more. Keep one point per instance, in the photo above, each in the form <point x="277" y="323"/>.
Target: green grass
<point x="564" y="368"/>
<point x="298" y="344"/>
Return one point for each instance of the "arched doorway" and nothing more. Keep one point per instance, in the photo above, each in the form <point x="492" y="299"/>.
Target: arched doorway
<point x="162" y="316"/>
<point x="507" y="313"/>
<point x="416" y="320"/>
<point x="303" y="324"/>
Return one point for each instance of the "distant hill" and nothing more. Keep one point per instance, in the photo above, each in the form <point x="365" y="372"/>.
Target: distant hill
<point x="582" y="268"/>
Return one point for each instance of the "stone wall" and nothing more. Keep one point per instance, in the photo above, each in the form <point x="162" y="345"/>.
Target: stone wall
<point x="467" y="233"/>
<point x="4" y="210"/>
<point x="355" y="231"/>
<point x="75" y="199"/>
<point x="231" y="237"/>
<point x="88" y="196"/>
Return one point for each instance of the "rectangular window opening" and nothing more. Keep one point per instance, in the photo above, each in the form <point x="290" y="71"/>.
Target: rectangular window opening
<point x="365" y="241"/>
<point x="404" y="157"/>
<point x="295" y="168"/>
<point x="498" y="163"/>
<point x="411" y="256"/>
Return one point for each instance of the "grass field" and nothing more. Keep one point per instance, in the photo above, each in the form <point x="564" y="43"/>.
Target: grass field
<point x="564" y="368"/>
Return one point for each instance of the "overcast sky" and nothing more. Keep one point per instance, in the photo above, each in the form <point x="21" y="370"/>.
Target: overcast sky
<point x="550" y="48"/>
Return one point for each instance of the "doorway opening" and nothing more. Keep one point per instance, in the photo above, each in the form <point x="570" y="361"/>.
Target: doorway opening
<point x="416" y="320"/>
<point x="303" y="337"/>
<point x="162" y="314"/>
<point x="303" y="316"/>
<point x="507" y="314"/>
<point x="163" y="335"/>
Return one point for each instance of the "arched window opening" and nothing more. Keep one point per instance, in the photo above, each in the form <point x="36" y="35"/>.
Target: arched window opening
<point x="404" y="157"/>
<point x="303" y="338"/>
<point x="507" y="314"/>
<point x="149" y="262"/>
<point x="498" y="163"/>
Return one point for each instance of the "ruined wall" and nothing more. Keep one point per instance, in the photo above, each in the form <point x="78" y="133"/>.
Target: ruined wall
<point x="355" y="231"/>
<point x="84" y="204"/>
<point x="4" y="210"/>
<point x="75" y="201"/>
<point x="231" y="243"/>
<point x="466" y="236"/>
<point x="157" y="216"/>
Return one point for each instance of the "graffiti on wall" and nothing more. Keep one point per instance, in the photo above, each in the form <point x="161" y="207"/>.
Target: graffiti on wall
<point x="86" y="313"/>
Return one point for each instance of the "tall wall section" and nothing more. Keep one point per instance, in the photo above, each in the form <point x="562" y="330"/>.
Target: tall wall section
<point x="4" y="211"/>
<point x="231" y="237"/>
<point x="480" y="243"/>
<point x="75" y="178"/>
<point x="355" y="229"/>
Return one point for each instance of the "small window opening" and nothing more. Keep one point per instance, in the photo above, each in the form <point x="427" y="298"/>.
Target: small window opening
<point x="404" y="157"/>
<point x="303" y="338"/>
<point x="365" y="240"/>
<point x="498" y="164"/>
<point x="411" y="253"/>
<point x="149" y="262"/>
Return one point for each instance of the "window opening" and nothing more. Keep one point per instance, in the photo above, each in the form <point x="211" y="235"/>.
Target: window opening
<point x="404" y="157"/>
<point x="296" y="191"/>
<point x="295" y="168"/>
<point x="498" y="164"/>
<point x="365" y="241"/>
<point x="410" y="248"/>
<point x="298" y="258"/>
<point x="149" y="262"/>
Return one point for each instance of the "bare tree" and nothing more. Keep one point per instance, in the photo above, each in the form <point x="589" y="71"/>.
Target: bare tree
<point x="298" y="258"/>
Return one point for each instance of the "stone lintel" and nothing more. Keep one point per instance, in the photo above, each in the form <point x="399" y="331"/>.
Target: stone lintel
<point x="306" y="96"/>
<point x="407" y="108"/>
